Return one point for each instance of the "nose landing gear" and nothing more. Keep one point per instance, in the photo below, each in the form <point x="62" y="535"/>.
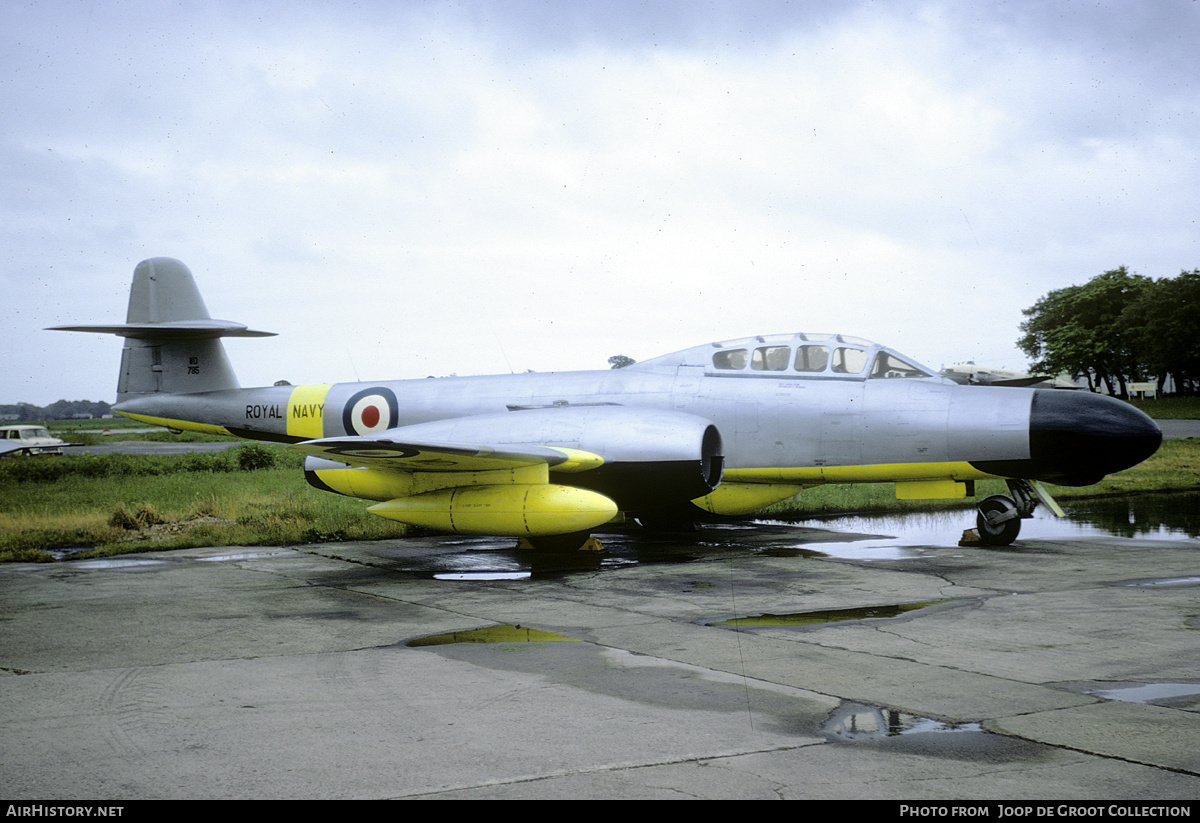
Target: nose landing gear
<point x="999" y="518"/>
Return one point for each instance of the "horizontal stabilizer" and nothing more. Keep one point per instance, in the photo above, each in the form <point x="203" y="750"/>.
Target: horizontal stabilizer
<point x="177" y="330"/>
<point x="165" y="304"/>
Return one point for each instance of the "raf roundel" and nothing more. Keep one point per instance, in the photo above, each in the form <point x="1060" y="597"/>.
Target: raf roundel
<point x="369" y="411"/>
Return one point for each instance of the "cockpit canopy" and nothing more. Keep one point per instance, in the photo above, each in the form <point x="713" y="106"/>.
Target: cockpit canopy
<point x="808" y="355"/>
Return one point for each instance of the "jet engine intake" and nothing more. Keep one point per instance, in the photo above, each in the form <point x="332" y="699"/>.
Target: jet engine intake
<point x="650" y="459"/>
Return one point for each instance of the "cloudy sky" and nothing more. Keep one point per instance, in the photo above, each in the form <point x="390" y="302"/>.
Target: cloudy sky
<point x="411" y="188"/>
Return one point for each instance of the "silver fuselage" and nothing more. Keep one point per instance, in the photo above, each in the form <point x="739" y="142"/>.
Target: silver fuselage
<point x="767" y="420"/>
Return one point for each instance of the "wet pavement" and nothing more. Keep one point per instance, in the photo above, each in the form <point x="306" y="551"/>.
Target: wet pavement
<point x="1064" y="666"/>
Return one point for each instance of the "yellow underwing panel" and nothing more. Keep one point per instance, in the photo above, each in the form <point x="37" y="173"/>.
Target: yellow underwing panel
<point x="878" y="473"/>
<point x="930" y="490"/>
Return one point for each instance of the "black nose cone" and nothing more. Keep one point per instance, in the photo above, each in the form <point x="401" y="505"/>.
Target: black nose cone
<point x="1076" y="438"/>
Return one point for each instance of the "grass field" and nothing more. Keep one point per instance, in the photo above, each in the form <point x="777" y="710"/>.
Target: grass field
<point x="256" y="495"/>
<point x="128" y="503"/>
<point x="1171" y="408"/>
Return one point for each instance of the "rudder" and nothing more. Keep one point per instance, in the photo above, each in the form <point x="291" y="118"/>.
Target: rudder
<point x="164" y="291"/>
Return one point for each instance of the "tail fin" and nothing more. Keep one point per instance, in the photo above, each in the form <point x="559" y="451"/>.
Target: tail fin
<point x="172" y="344"/>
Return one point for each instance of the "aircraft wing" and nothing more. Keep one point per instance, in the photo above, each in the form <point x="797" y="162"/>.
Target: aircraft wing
<point x="400" y="454"/>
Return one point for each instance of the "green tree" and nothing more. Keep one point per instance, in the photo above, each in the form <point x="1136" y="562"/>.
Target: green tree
<point x="1079" y="330"/>
<point x="1165" y="320"/>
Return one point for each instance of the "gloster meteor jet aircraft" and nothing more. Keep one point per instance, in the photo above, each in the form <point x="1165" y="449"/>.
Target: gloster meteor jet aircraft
<point x="722" y="429"/>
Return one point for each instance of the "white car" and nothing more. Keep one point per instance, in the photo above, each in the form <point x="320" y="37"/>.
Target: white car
<point x="28" y="440"/>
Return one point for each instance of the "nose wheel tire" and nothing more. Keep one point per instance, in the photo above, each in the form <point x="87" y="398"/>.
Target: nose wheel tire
<point x="998" y="521"/>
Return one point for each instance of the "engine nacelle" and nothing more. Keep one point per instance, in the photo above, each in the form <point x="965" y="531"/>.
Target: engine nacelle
<point x="651" y="457"/>
<point x="638" y="458"/>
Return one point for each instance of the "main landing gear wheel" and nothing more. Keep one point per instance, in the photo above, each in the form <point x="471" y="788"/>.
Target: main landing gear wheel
<point x="998" y="521"/>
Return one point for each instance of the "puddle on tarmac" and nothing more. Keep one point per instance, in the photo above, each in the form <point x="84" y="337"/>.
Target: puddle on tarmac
<point x="858" y="722"/>
<point x="134" y="562"/>
<point x="220" y="558"/>
<point x="1144" y="515"/>
<point x="1146" y="692"/>
<point x="482" y="559"/>
<point x="1161" y="582"/>
<point x="467" y="559"/>
<point x="67" y="552"/>
<point x="483" y="576"/>
<point x="475" y="559"/>
<point x="902" y="536"/>
<point x="117" y="563"/>
<point x="826" y="615"/>
<point x="792" y="551"/>
<point x="490" y="634"/>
